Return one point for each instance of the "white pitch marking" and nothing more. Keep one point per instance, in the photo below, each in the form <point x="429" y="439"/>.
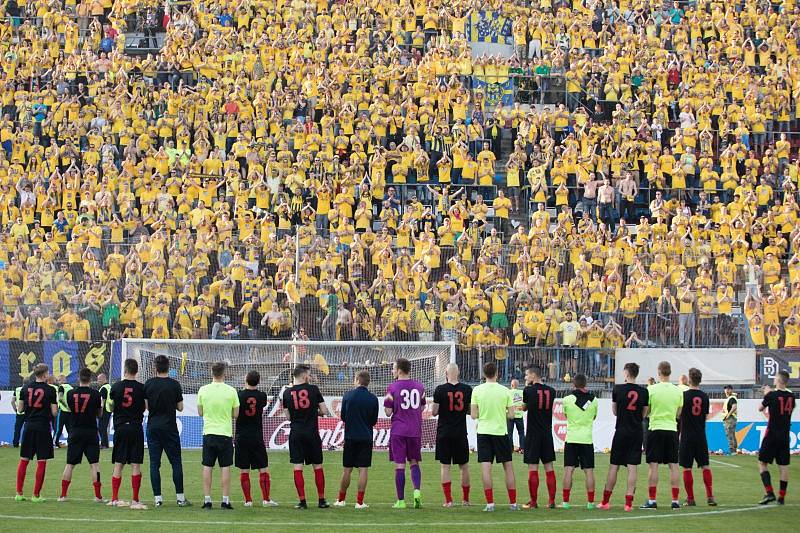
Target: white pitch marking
<point x="724" y="463"/>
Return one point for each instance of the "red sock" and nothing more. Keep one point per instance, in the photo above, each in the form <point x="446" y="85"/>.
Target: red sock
<point x="360" y="497"/>
<point x="244" y="479"/>
<point x="22" y="469"/>
<point x="708" y="483"/>
<point x="590" y="496"/>
<point x="448" y="492"/>
<point x="65" y="487"/>
<point x="565" y="495"/>
<point x="629" y="499"/>
<point x="533" y="485"/>
<point x="136" y="484"/>
<point x="342" y="496"/>
<point x="606" y="496"/>
<point x="319" y="479"/>
<point x="97" y="486"/>
<point x="41" y="468"/>
<point x="675" y="493"/>
<point x="550" y="479"/>
<point x="300" y="484"/>
<point x="652" y="492"/>
<point x="512" y="496"/>
<point x="115" y="484"/>
<point x="688" y="485"/>
<point x="489" y="493"/>
<point x="263" y="482"/>
<point x="465" y="493"/>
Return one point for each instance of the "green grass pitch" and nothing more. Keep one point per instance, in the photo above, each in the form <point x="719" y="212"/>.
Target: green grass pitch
<point x="736" y="483"/>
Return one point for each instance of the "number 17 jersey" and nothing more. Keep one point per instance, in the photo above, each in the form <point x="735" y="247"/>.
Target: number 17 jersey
<point x="408" y="403"/>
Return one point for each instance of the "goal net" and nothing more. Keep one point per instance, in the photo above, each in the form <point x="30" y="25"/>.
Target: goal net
<point x="333" y="369"/>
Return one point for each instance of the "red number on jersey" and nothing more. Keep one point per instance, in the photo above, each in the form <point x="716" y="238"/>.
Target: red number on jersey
<point x="633" y="397"/>
<point x="786" y="405"/>
<point x="456" y="400"/>
<point x="251" y="407"/>
<point x="36" y="403"/>
<point x="697" y="406"/>
<point x="80" y="402"/>
<point x="300" y="399"/>
<point x="127" y="397"/>
<point x="544" y="399"/>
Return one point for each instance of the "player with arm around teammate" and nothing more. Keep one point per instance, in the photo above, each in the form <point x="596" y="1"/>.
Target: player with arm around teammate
<point x="537" y="401"/>
<point x="450" y="404"/>
<point x="404" y="404"/>
<point x="85" y="408"/>
<point x="126" y="402"/>
<point x="251" y="452"/>
<point x="779" y="404"/>
<point x="360" y="414"/>
<point x="303" y="404"/>
<point x="629" y="403"/>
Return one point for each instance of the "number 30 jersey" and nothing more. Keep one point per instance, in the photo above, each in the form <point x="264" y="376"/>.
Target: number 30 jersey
<point x="453" y="401"/>
<point x="127" y="402"/>
<point x="407" y="403"/>
<point x="302" y="401"/>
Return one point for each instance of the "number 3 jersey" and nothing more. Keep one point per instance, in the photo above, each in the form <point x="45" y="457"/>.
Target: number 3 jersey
<point x="631" y="399"/>
<point x="302" y="401"/>
<point x="84" y="403"/>
<point x="407" y="403"/>
<point x="453" y="402"/>
<point x="127" y="402"/>
<point x="251" y="407"/>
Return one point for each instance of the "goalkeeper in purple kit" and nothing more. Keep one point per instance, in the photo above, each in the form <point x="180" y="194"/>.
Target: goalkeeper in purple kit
<point x="404" y="404"/>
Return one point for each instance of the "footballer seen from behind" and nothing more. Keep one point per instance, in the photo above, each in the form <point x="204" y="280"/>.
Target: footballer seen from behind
<point x="38" y="400"/>
<point x="493" y="407"/>
<point x="537" y="402"/>
<point x="693" y="445"/>
<point x="580" y="410"/>
<point x="778" y="404"/>
<point x="251" y="452"/>
<point x="404" y="404"/>
<point x="451" y="402"/>
<point x="126" y="402"/>
<point x="303" y="404"/>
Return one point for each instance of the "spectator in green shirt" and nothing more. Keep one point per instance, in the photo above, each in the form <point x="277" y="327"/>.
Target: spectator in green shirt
<point x="492" y="407"/>
<point x="666" y="401"/>
<point x="218" y="404"/>
<point x="580" y="410"/>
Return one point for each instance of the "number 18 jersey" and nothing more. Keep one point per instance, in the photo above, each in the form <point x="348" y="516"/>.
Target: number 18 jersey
<point x="302" y="401"/>
<point x="407" y="404"/>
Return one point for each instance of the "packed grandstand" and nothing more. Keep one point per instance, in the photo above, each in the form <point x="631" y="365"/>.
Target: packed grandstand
<point x="498" y="174"/>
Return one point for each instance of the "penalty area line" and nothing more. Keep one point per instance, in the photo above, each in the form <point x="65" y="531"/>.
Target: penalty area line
<point x="534" y="520"/>
<point x="723" y="463"/>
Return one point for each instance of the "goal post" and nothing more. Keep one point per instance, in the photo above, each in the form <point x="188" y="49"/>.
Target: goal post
<point x="333" y="368"/>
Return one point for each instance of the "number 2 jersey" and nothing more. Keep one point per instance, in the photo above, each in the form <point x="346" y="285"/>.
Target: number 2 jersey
<point x="127" y="401"/>
<point x="631" y="399"/>
<point x="37" y="398"/>
<point x="453" y="402"/>
<point x="84" y="404"/>
<point x="302" y="401"/>
<point x="407" y="404"/>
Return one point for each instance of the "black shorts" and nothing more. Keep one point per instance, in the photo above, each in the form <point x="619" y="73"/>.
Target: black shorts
<point x="774" y="447"/>
<point x="494" y="448"/>
<point x="305" y="448"/>
<point x="80" y="443"/>
<point x="539" y="448"/>
<point x="626" y="448"/>
<point x="128" y="445"/>
<point x="251" y="453"/>
<point x="452" y="449"/>
<point x="693" y="449"/>
<point x="217" y="449"/>
<point x="36" y="442"/>
<point x="662" y="446"/>
<point x="579" y="455"/>
<point x="357" y="454"/>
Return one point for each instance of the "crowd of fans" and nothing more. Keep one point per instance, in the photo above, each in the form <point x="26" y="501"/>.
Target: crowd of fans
<point x="326" y="170"/>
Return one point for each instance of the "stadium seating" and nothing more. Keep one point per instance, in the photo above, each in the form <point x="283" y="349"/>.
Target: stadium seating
<point x="356" y="170"/>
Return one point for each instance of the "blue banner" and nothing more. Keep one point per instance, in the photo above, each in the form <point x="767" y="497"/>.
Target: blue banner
<point x="65" y="359"/>
<point x="494" y="92"/>
<point x="490" y="27"/>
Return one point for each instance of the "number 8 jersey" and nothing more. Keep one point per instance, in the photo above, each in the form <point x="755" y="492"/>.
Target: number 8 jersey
<point x="302" y="401"/>
<point x="408" y="403"/>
